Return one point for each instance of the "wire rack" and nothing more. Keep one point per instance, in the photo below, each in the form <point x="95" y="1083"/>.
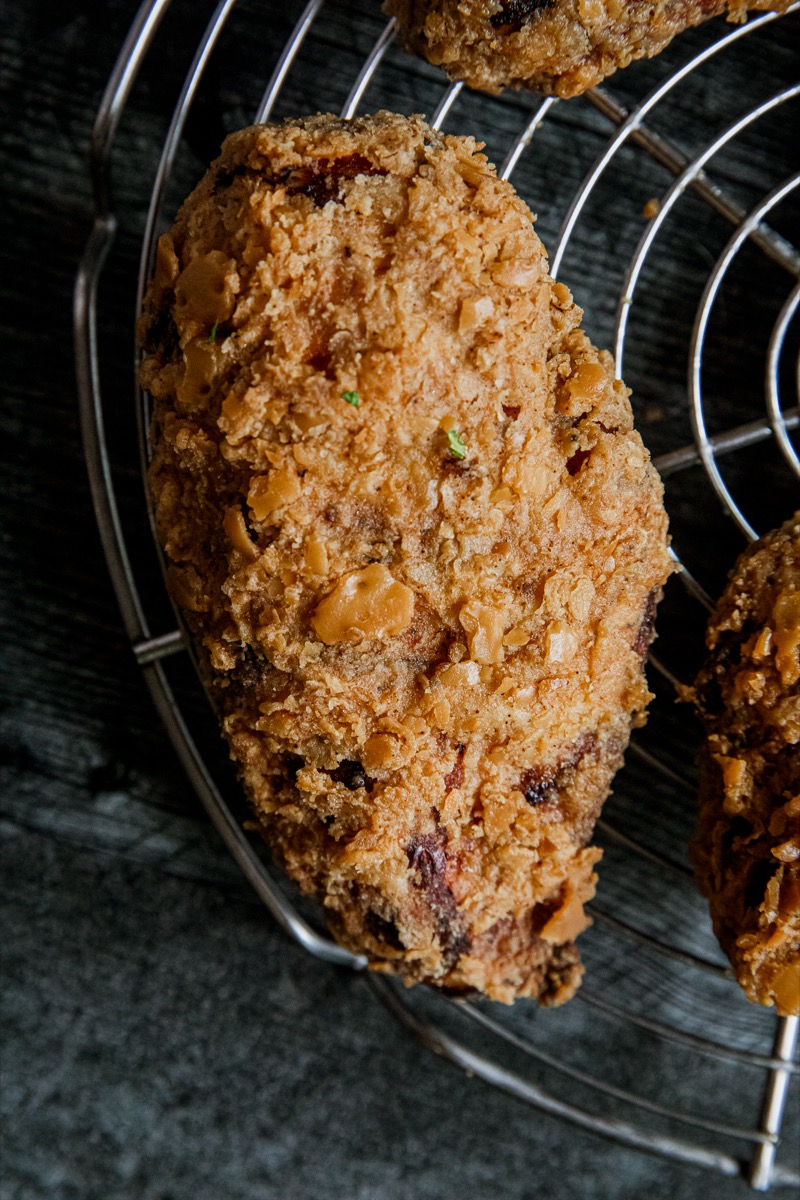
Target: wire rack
<point x="697" y="1074"/>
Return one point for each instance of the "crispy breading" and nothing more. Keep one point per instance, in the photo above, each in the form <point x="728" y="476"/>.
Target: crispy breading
<point x="747" y="850"/>
<point x="559" y="47"/>
<point x="415" y="533"/>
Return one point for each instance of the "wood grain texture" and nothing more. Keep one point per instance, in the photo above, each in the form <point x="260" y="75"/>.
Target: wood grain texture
<point x="164" y="1039"/>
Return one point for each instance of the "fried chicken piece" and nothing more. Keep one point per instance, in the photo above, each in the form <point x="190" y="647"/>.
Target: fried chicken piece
<point x="559" y="47"/>
<point x="747" y="851"/>
<point x="415" y="535"/>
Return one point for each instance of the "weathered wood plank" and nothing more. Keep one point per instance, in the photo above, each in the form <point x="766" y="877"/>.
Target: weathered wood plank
<point x="102" y="831"/>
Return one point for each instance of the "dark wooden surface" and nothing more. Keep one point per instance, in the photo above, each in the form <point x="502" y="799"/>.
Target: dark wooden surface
<point x="161" y="1038"/>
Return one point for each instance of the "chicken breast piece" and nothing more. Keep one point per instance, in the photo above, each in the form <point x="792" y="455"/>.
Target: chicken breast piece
<point x="414" y="533"/>
<point x="747" y="851"/>
<point x="559" y="47"/>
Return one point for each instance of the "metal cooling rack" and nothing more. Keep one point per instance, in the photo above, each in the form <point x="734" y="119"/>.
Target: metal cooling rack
<point x="702" y="1077"/>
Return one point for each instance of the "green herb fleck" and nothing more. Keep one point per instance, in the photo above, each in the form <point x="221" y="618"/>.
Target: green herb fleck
<point x="352" y="398"/>
<point x="212" y="337"/>
<point x="455" y="443"/>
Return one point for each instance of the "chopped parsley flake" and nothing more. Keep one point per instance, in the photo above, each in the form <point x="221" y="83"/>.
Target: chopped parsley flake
<point x="455" y="443"/>
<point x="212" y="337"/>
<point x="352" y="398"/>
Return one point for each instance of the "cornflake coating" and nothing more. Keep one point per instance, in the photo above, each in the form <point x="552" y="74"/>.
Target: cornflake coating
<point x="412" y="527"/>
<point x="559" y="47"/>
<point x="747" y="852"/>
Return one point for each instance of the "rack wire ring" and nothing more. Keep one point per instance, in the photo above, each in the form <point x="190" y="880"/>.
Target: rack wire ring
<point x="153" y="650"/>
<point x="779" y="419"/>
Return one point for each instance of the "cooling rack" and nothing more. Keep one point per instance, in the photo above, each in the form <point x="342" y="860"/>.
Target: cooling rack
<point x="685" y="250"/>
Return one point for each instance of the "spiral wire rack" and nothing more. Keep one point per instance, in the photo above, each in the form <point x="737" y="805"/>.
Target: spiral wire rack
<point x="664" y="994"/>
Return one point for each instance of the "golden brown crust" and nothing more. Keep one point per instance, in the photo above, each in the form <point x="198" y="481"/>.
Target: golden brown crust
<point x="559" y="47"/>
<point x="747" y="852"/>
<point x="411" y="523"/>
